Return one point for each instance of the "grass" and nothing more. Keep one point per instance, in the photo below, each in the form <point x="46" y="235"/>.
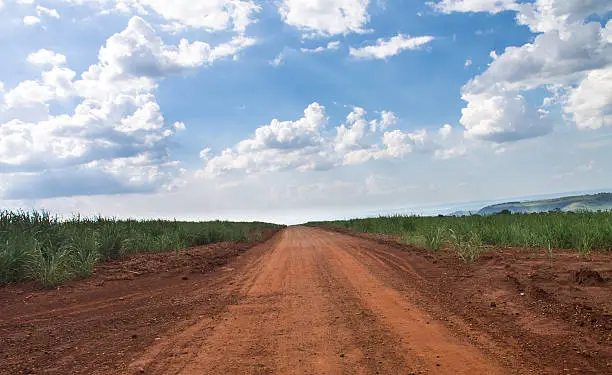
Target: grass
<point x="41" y="247"/>
<point x="468" y="235"/>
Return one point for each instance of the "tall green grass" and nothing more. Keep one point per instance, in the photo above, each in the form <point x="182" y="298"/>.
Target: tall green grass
<point x="39" y="246"/>
<point x="583" y="231"/>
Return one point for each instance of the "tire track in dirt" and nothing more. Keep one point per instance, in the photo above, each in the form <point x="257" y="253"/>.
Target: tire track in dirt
<point x="307" y="301"/>
<point x="267" y="327"/>
<point x="421" y="337"/>
<point x="97" y="325"/>
<point x="310" y="306"/>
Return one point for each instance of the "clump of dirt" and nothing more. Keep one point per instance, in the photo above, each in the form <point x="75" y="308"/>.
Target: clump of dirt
<point x="588" y="277"/>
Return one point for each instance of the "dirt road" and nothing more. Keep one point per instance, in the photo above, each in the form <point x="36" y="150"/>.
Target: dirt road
<point x="311" y="301"/>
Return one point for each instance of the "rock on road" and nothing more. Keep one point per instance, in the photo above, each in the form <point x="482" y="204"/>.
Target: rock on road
<point x="315" y="303"/>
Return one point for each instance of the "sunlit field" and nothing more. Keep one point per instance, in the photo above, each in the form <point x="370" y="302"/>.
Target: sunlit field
<point x="41" y="247"/>
<point x="468" y="234"/>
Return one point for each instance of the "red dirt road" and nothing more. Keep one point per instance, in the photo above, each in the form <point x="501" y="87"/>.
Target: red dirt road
<point x="311" y="301"/>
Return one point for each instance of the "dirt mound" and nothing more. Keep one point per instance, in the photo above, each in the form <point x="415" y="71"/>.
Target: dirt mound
<point x="588" y="277"/>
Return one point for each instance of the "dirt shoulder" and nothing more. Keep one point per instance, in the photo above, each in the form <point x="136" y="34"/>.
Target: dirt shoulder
<point x="554" y="314"/>
<point x="96" y="325"/>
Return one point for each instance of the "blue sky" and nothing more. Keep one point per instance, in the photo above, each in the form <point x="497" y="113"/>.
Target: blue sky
<point x="292" y="110"/>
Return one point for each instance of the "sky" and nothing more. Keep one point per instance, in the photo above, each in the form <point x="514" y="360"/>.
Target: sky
<point x="296" y="110"/>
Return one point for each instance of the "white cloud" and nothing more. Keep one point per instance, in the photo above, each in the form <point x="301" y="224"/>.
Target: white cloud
<point x="55" y="84"/>
<point x="552" y="58"/>
<point x="40" y="10"/>
<point x="116" y="138"/>
<point x="330" y="17"/>
<point x="30" y="20"/>
<point x="349" y="135"/>
<point x="288" y="52"/>
<point x="565" y="59"/>
<point x="468" y="63"/>
<point x="390" y="47"/>
<point x="138" y="51"/>
<point x="503" y="116"/>
<point x="549" y="15"/>
<point x="278" y="60"/>
<point x="491" y="6"/>
<point x="445" y="131"/>
<point x="307" y="144"/>
<point x="46" y="57"/>
<point x="590" y="103"/>
<point x="387" y="120"/>
<point x="539" y="15"/>
<point x="331" y="46"/>
<point x="451" y="143"/>
<point x="279" y="145"/>
<point x="212" y="15"/>
<point x="450" y="153"/>
<point x="398" y="143"/>
<point x="313" y="50"/>
<point x="179" y="126"/>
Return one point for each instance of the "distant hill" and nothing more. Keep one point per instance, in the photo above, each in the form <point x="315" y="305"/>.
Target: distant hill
<point x="462" y="213"/>
<point x="594" y="202"/>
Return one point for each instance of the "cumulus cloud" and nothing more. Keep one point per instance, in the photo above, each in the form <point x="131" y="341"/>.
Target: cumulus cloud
<point x="116" y="135"/>
<point x="55" y="84"/>
<point x="139" y="51"/>
<point x="40" y="10"/>
<point x="46" y="57"/>
<point x="445" y="131"/>
<point x="590" y="103"/>
<point x="552" y="58"/>
<point x="214" y="15"/>
<point x="565" y="58"/>
<point x="550" y="15"/>
<point x="309" y="144"/>
<point x="390" y="47"/>
<point x="387" y="120"/>
<point x="30" y="20"/>
<point x="211" y="15"/>
<point x="329" y="17"/>
<point x="504" y="116"/>
<point x="179" y="126"/>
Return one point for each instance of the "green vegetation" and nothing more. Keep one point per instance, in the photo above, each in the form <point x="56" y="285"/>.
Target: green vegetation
<point x="468" y="235"/>
<point x="38" y="246"/>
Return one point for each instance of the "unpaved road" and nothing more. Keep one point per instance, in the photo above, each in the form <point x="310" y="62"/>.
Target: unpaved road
<point x="311" y="301"/>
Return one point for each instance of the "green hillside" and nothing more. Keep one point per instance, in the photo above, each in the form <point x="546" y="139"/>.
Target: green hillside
<point x="594" y="202"/>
